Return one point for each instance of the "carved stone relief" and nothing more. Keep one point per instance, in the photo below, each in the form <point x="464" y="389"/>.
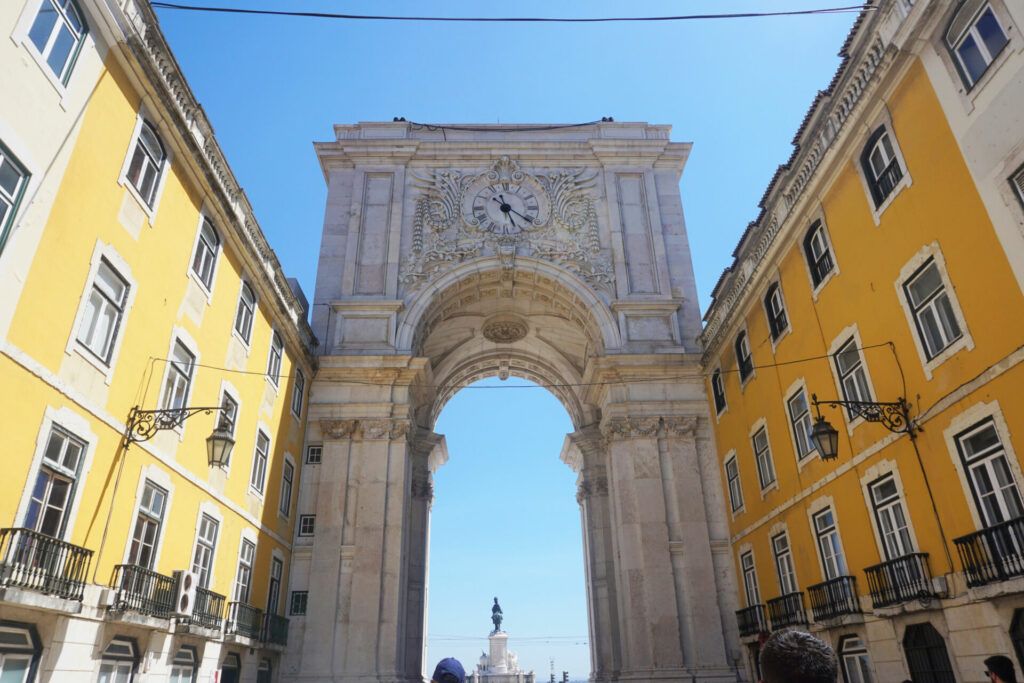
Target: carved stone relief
<point x="449" y="228"/>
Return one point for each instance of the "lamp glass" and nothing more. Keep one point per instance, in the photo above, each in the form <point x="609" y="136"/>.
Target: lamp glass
<point x="218" y="446"/>
<point x="825" y="438"/>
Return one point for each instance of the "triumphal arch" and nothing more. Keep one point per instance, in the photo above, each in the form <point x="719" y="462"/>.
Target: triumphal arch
<point x="553" y="253"/>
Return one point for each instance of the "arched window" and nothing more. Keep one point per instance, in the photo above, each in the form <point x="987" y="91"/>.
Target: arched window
<point x="854" y="657"/>
<point x="205" y="259"/>
<point x="718" y="389"/>
<point x="147" y="164"/>
<point x="245" y="313"/>
<point x="119" y="661"/>
<point x="743" y="359"/>
<point x="975" y="37"/>
<point x="776" y="310"/>
<point x="818" y="253"/>
<point x="926" y="655"/>
<point x="230" y="668"/>
<point x="881" y="166"/>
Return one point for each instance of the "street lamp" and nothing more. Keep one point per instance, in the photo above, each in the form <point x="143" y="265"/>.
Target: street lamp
<point x="893" y="415"/>
<point x="143" y="425"/>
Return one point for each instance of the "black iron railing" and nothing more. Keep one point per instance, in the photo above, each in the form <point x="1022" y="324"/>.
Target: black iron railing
<point x="143" y="590"/>
<point x="900" y="580"/>
<point x="834" y="598"/>
<point x="787" y="610"/>
<point x="751" y="620"/>
<point x="887" y="181"/>
<point x="275" y="630"/>
<point x="29" y="559"/>
<point x="209" y="609"/>
<point x="993" y="554"/>
<point x="244" y="620"/>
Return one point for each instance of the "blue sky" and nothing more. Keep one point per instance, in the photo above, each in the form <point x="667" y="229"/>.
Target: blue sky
<point x="737" y="89"/>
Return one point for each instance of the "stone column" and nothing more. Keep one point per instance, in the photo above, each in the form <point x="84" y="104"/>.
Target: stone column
<point x="589" y="461"/>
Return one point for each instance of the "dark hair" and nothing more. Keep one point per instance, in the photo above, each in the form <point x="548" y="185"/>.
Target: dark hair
<point x="1003" y="667"/>
<point x="791" y="656"/>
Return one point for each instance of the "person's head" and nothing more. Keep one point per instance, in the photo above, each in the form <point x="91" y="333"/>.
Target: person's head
<point x="791" y="656"/>
<point x="999" y="669"/>
<point x="449" y="670"/>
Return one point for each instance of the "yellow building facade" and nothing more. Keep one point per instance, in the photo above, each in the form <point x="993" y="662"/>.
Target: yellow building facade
<point x="885" y="267"/>
<point x="136" y="279"/>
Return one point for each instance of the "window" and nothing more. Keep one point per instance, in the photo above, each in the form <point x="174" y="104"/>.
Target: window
<point x="1017" y="634"/>
<point x="287" y="476"/>
<point x="936" y="323"/>
<point x="245" y="313"/>
<point x="881" y="167"/>
<point x="314" y="454"/>
<point x="852" y="377"/>
<point x="926" y="654"/>
<point x="19" y="652"/>
<point x="984" y="459"/>
<point x="298" y="393"/>
<point x="818" y="253"/>
<point x="832" y="561"/>
<point x="732" y="474"/>
<point x="147" y="163"/>
<point x="229" y="411"/>
<point x="891" y="519"/>
<point x="179" y="377"/>
<point x="104" y="310"/>
<point x="206" y="544"/>
<point x="13" y="179"/>
<point x="1016" y="180"/>
<point x="854" y="656"/>
<point x="274" y="361"/>
<point x="54" y="488"/>
<point x="205" y="260"/>
<point x="718" y="390"/>
<point x="183" y="666"/>
<point x="259" y="464"/>
<point x="750" y="579"/>
<point x="784" y="564"/>
<point x="230" y="668"/>
<point x="743" y="360"/>
<point x="298" y="603"/>
<point x="274" y="590"/>
<point x="243" y="581"/>
<point x="118" y="662"/>
<point x="147" y="525"/>
<point x="263" y="672"/>
<point x="975" y="43"/>
<point x="307" y="525"/>
<point x="776" y="310"/>
<point x="57" y="33"/>
<point x="800" y="421"/>
<point x="763" y="457"/>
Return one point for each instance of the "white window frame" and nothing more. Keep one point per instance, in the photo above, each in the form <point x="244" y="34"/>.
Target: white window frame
<point x="883" y="121"/>
<point x="20" y="36"/>
<point x="208" y="510"/>
<point x="81" y="428"/>
<point x="750" y="355"/>
<point x="182" y="672"/>
<point x="200" y="243"/>
<point x="246" y="342"/>
<point x="822" y="229"/>
<point x="261" y="480"/>
<point x="320" y="457"/>
<point x="932" y="252"/>
<point x="752" y="574"/>
<point x="832" y="566"/>
<point x="275" y="351"/>
<point x="968" y="81"/>
<point x="768" y="468"/>
<point x="145" y="115"/>
<point x="785" y="568"/>
<point x="179" y="337"/>
<point x="58" y="471"/>
<point x="730" y="458"/>
<point x="156" y="476"/>
<point x="103" y="252"/>
<point x="276" y="562"/>
<point x="975" y="415"/>
<point x="291" y="603"/>
<point x="907" y="545"/>
<point x="118" y="662"/>
<point x="798" y="387"/>
<point x="857" y="656"/>
<point x="8" y="157"/>
<point x="298" y="392"/>
<point x="284" y="503"/>
<point x="848" y="333"/>
<point x="775" y="288"/>
<point x="301" y="526"/>
<point x="873" y="475"/>
<point x="248" y="537"/>
<point x="716" y="374"/>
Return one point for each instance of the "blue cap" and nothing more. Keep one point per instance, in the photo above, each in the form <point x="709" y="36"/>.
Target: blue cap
<point x="449" y="670"/>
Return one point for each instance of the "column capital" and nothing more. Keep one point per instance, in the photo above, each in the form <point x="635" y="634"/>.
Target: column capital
<point x="338" y="429"/>
<point x="680" y="425"/>
<point x="365" y="428"/>
<point x="627" y="427"/>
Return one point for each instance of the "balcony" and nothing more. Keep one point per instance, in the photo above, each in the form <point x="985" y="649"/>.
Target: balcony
<point x="275" y="630"/>
<point x="993" y="554"/>
<point x="208" y="611"/>
<point x="901" y="580"/>
<point x="751" y="620"/>
<point x="787" y="610"/>
<point x="42" y="563"/>
<point x="244" y="620"/>
<point x="834" y="598"/>
<point x="144" y="591"/>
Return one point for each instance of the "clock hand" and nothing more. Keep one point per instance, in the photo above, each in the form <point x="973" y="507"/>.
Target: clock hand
<point x="512" y="220"/>
<point x="525" y="218"/>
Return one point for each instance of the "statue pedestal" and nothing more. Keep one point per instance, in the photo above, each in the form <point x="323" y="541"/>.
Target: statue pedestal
<point x="499" y="652"/>
<point x="499" y="665"/>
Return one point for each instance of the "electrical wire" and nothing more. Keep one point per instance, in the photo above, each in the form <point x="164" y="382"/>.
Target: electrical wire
<point x="847" y="9"/>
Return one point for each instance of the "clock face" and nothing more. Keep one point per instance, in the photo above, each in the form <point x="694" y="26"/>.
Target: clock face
<point x="506" y="208"/>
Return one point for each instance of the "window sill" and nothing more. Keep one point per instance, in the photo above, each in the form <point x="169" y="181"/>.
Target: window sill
<point x="905" y="182"/>
<point x="150" y="211"/>
<point x="965" y="342"/>
<point x="237" y="335"/>
<point x="276" y="386"/>
<point x="816" y="289"/>
<point x="803" y="462"/>
<point x="59" y="87"/>
<point x="782" y="335"/>
<point x="774" y="486"/>
<point x="207" y="291"/>
<point x="106" y="370"/>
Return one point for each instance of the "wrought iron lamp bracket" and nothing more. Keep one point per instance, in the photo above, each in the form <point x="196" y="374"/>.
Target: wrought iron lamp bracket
<point x="893" y="415"/>
<point x="143" y="425"/>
